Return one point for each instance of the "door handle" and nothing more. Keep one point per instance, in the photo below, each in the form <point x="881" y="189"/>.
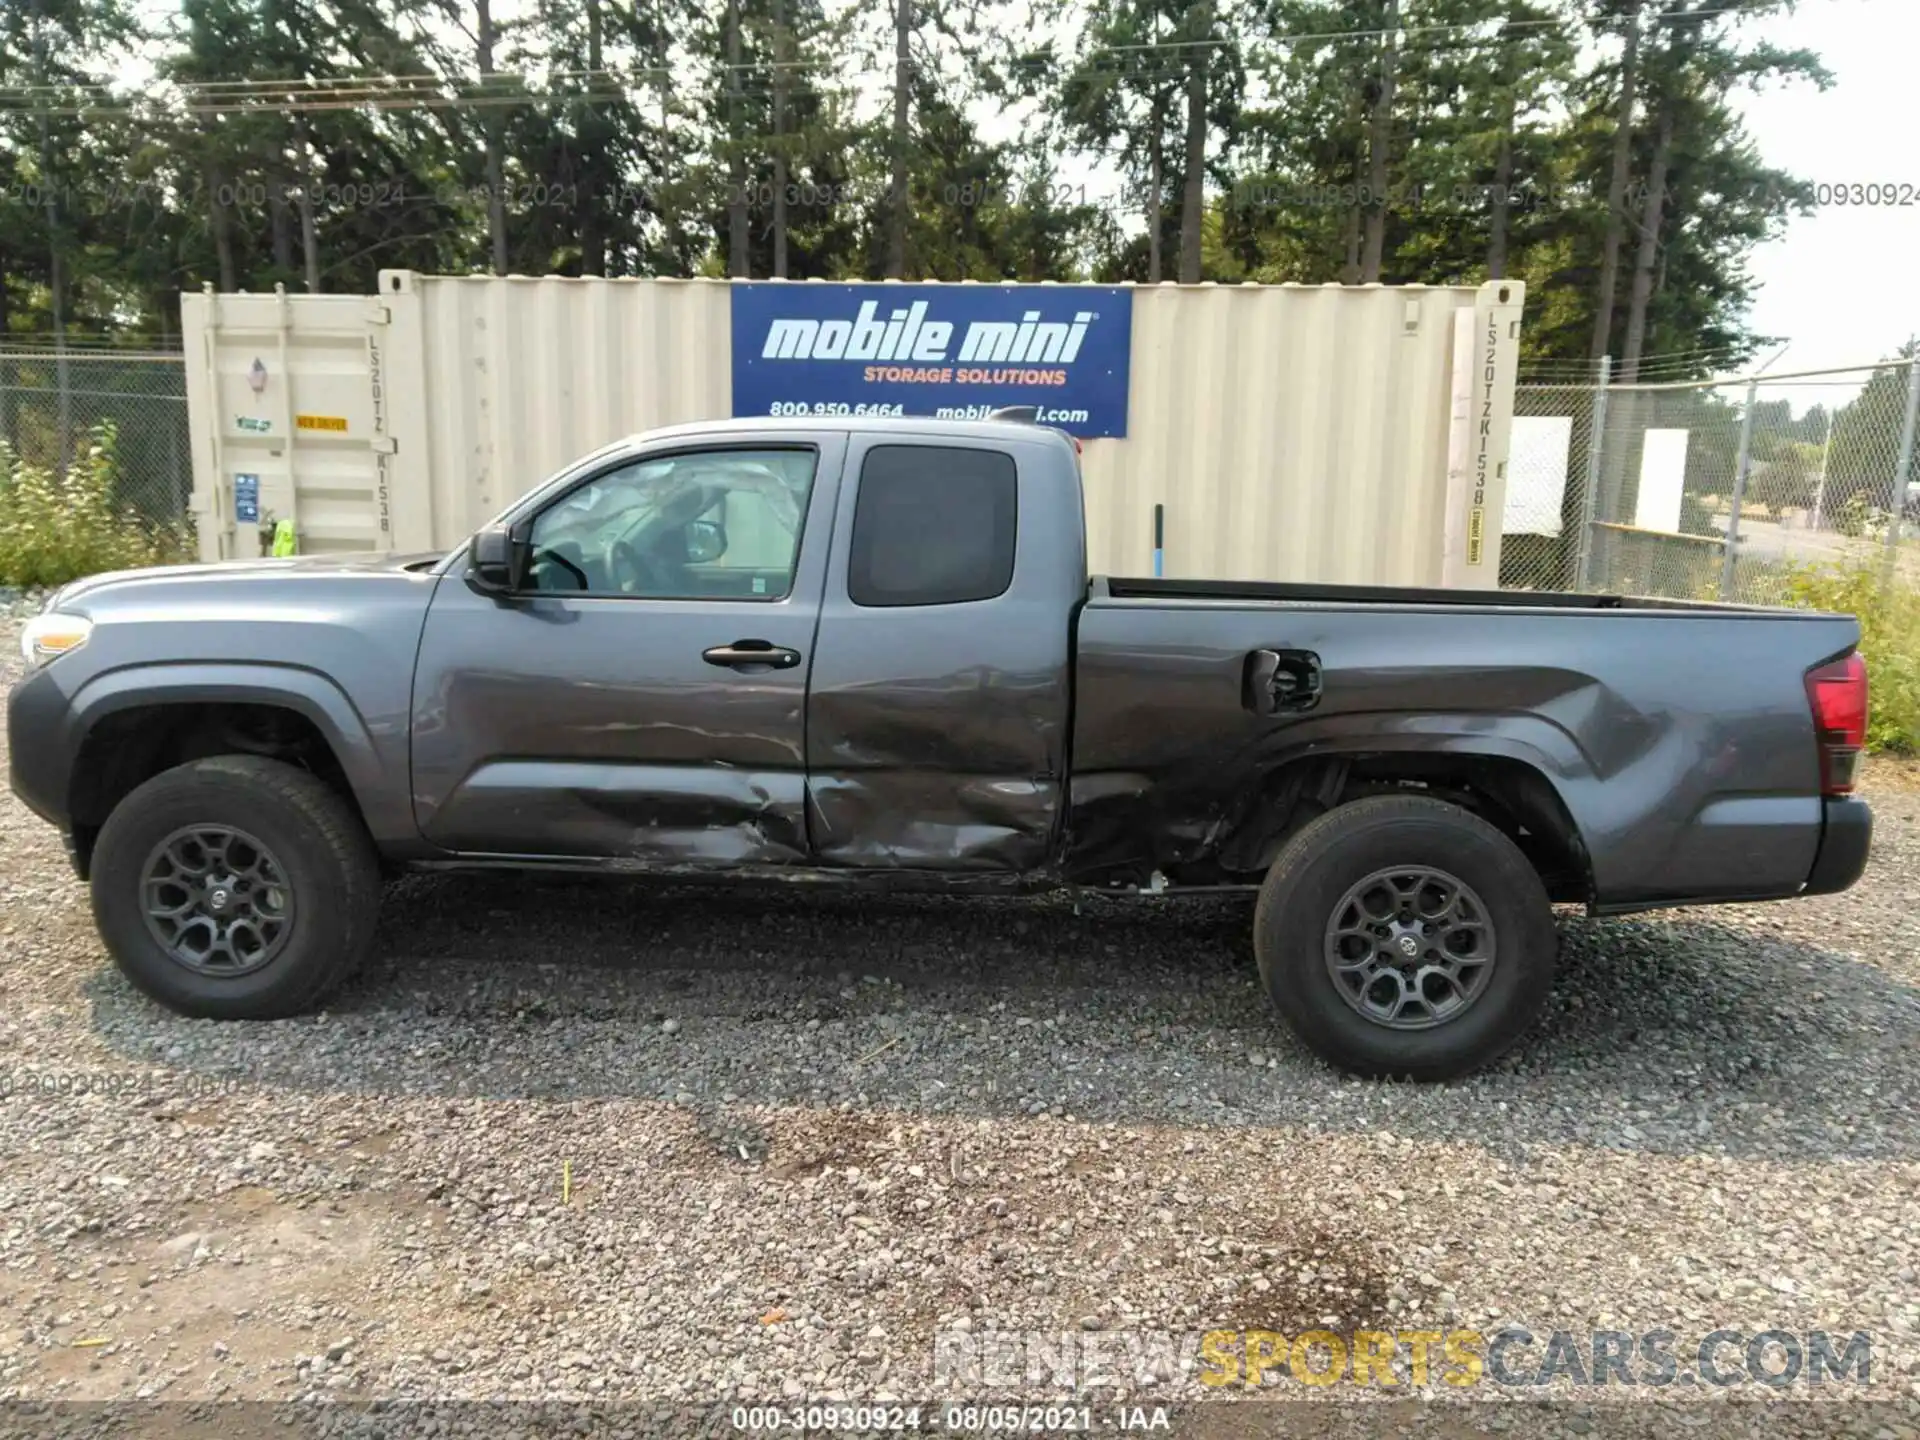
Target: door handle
<point x="1281" y="681"/>
<point x="752" y="655"/>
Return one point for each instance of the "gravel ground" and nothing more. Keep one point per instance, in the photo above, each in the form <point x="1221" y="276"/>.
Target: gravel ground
<point x="17" y="604"/>
<point x="589" y="1141"/>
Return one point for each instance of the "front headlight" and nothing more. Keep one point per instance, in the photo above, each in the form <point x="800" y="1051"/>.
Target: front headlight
<point x="52" y="634"/>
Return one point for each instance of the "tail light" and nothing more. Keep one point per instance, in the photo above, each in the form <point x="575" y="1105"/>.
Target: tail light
<point x="1837" y="692"/>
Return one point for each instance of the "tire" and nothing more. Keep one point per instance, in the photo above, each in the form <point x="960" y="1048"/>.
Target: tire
<point x="315" y="846"/>
<point x="1466" y="1025"/>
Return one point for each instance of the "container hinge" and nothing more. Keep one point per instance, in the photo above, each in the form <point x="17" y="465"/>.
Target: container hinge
<point x="383" y="445"/>
<point x="378" y="314"/>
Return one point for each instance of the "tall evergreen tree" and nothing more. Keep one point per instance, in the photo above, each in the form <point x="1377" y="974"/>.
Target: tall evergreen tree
<point x="1589" y="147"/>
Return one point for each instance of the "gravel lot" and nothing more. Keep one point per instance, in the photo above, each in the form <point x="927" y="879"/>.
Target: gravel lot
<point x="584" y="1140"/>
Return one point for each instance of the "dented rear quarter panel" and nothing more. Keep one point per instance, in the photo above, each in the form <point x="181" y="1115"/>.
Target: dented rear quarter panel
<point x="1679" y="741"/>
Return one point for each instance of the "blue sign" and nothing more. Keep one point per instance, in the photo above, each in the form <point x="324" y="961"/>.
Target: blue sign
<point x="246" y="499"/>
<point x="957" y="351"/>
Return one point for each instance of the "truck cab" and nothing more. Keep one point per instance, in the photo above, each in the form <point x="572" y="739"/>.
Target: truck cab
<point x="746" y="645"/>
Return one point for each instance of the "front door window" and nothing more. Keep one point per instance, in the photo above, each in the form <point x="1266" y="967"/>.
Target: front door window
<point x="705" y="525"/>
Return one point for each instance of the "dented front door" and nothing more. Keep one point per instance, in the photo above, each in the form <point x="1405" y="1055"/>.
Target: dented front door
<point x="656" y="712"/>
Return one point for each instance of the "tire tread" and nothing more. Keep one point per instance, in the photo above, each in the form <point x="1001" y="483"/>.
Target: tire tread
<point x="339" y="831"/>
<point x="1356" y="818"/>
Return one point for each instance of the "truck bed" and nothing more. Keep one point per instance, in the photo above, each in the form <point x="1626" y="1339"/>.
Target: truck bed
<point x="1677" y="737"/>
<point x="1115" y="587"/>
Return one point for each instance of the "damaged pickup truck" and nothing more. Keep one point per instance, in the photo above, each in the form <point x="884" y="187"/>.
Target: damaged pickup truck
<point x="869" y="651"/>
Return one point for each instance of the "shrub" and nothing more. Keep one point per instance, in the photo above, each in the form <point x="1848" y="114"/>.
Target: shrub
<point x="54" y="529"/>
<point x="1855" y="517"/>
<point x="1889" y="614"/>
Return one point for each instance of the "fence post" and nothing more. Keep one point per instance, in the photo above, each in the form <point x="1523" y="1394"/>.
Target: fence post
<point x="1590" y="493"/>
<point x="66" y="391"/>
<point x="1820" y="485"/>
<point x="1739" y="490"/>
<point x="1903" y="467"/>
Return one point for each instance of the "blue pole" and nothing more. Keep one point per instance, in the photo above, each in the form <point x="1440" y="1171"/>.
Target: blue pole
<point x="1159" y="541"/>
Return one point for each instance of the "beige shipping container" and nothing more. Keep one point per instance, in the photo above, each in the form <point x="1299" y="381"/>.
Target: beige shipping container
<point x="1338" y="434"/>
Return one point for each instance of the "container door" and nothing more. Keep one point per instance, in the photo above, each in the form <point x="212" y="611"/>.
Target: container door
<point x="291" y="423"/>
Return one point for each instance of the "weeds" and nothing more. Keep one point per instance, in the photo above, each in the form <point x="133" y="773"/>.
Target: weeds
<point x="54" y="529"/>
<point x="1889" y="615"/>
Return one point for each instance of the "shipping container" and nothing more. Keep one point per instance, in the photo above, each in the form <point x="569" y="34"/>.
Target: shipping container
<point x="1340" y="434"/>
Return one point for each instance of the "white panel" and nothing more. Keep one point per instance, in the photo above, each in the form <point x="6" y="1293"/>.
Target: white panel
<point x="1485" y="354"/>
<point x="1460" y="448"/>
<point x="1537" y="475"/>
<point x="1292" y="432"/>
<point x="311" y="352"/>
<point x="525" y="375"/>
<point x="1663" y="472"/>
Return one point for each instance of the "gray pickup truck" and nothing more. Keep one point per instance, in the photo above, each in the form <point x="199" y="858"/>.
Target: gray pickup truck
<point x="869" y="652"/>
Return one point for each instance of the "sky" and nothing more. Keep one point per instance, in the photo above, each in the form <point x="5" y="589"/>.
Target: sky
<point x="1837" y="287"/>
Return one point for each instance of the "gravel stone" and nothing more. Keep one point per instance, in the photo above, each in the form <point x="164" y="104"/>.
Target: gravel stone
<point x="20" y="604"/>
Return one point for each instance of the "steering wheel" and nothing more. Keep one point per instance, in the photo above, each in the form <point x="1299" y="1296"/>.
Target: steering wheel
<point x="639" y="553"/>
<point x="579" y="575"/>
<point x="633" y="571"/>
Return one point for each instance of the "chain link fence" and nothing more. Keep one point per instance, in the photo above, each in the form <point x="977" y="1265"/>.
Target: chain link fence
<point x="55" y="405"/>
<point x="1689" y="490"/>
<point x="1712" y="490"/>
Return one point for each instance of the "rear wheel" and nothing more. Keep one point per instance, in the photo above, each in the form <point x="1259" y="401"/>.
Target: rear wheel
<point x="235" y="888"/>
<point x="1402" y="936"/>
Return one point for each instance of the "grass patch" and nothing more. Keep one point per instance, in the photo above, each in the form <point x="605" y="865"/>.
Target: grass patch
<point x="56" y="528"/>
<point x="1889" y="615"/>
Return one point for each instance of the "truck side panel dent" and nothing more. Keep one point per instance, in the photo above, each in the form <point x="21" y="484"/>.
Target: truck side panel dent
<point x="1205" y="811"/>
<point x="679" y="814"/>
<point x="602" y="726"/>
<point x="1681" y="745"/>
<point x="937" y="733"/>
<point x="884" y="819"/>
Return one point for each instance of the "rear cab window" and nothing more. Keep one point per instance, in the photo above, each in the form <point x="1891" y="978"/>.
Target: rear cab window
<point x="933" y="525"/>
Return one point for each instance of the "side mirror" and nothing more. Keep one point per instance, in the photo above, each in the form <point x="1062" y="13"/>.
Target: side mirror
<point x="497" y="560"/>
<point x="706" y="541"/>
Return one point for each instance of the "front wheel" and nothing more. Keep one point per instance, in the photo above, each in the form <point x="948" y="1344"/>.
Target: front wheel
<point x="1403" y="936"/>
<point x="235" y="888"/>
